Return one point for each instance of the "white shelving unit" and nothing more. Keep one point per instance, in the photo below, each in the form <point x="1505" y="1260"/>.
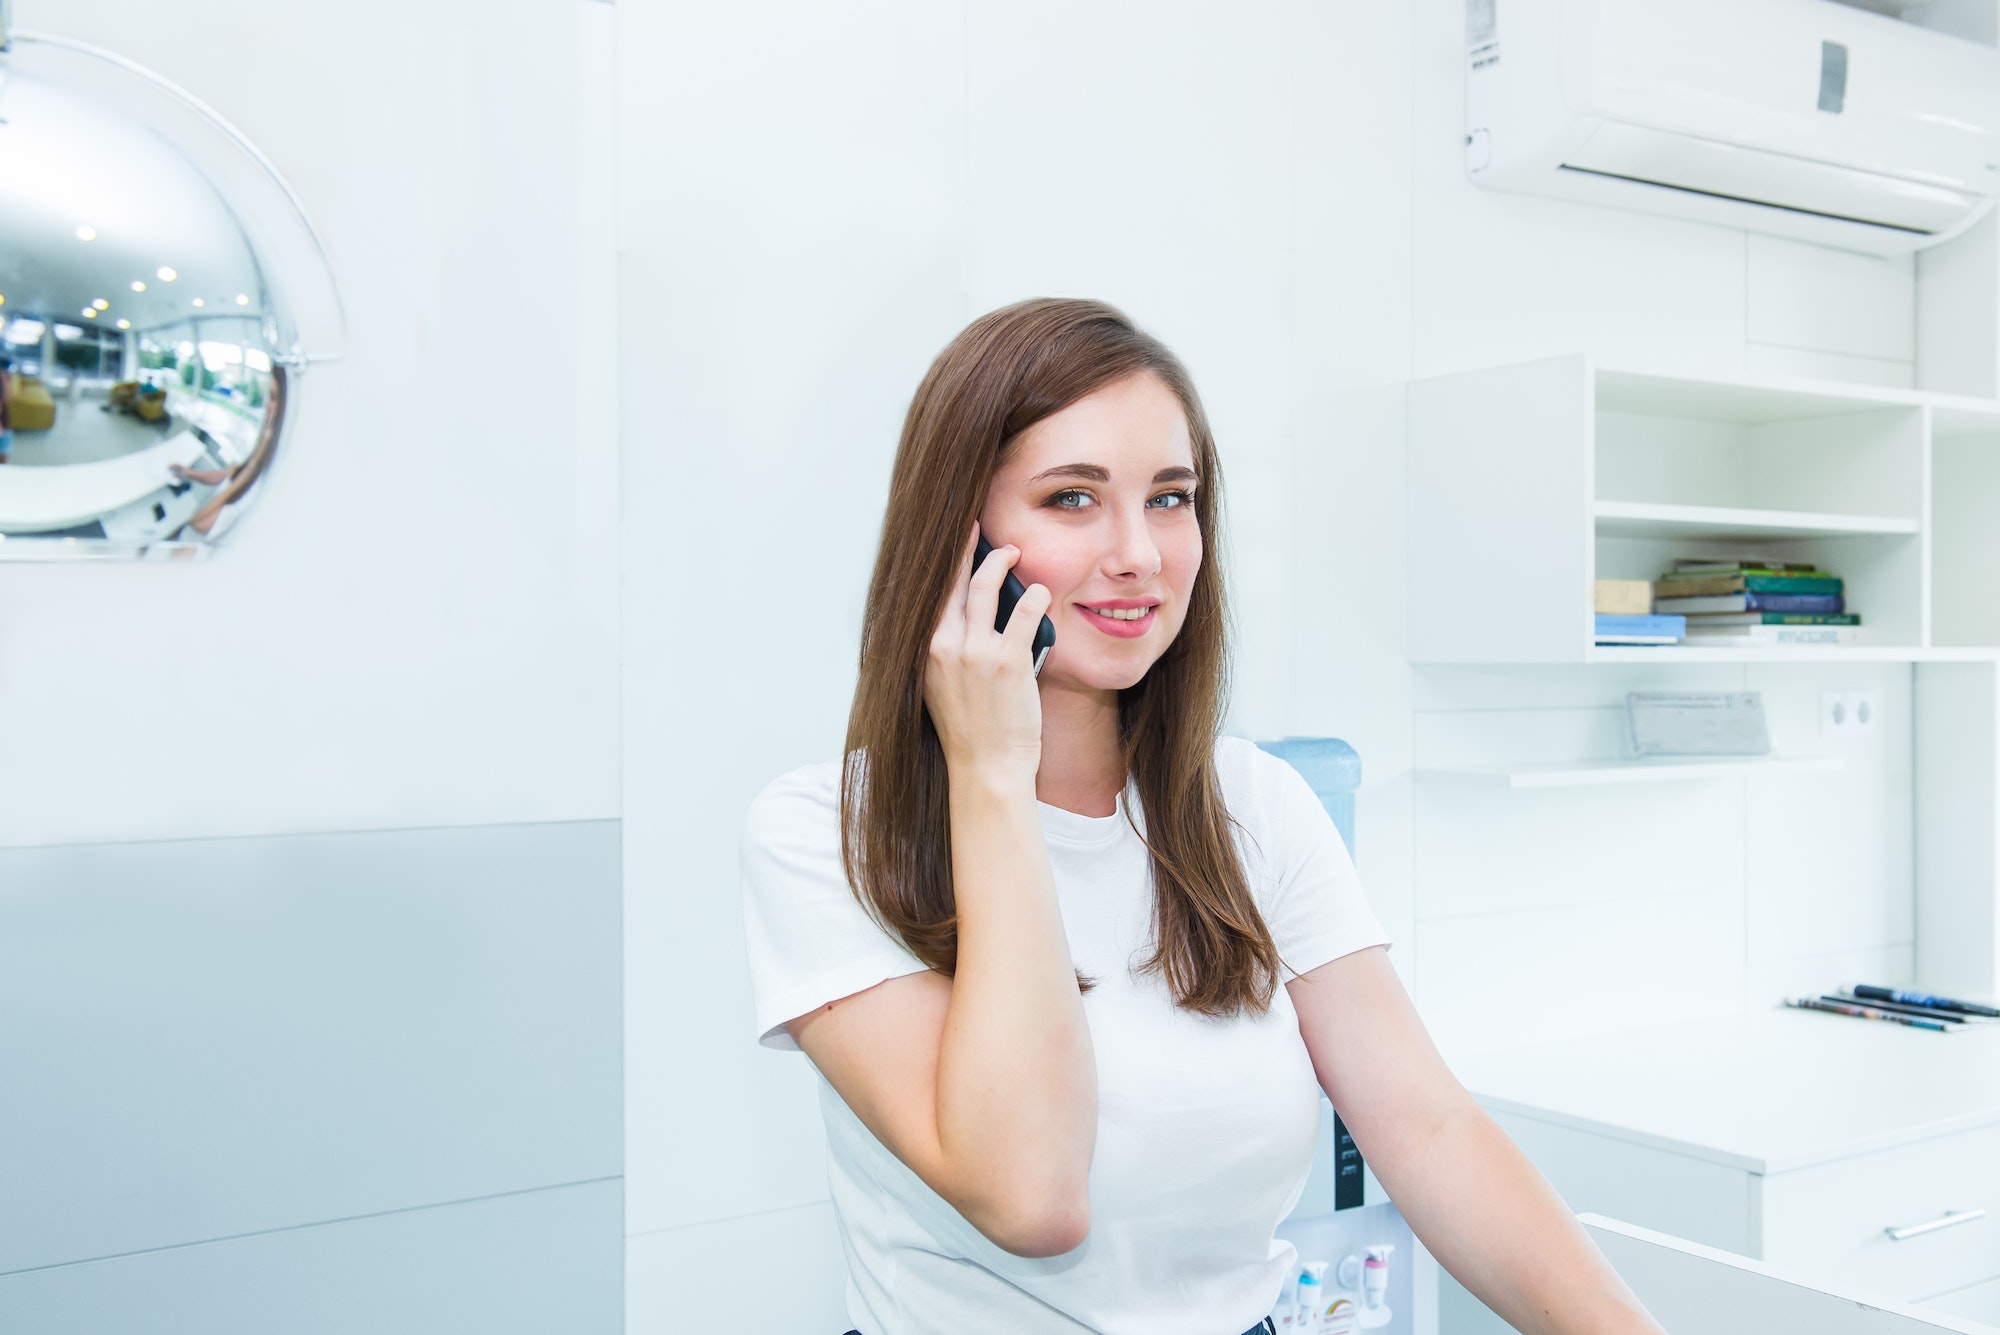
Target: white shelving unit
<point x="1566" y="472"/>
<point x="1580" y="774"/>
<point x="1527" y="483"/>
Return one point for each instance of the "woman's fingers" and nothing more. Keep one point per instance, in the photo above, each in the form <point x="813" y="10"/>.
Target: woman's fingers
<point x="955" y="604"/>
<point x="1019" y="636"/>
<point x="982" y="595"/>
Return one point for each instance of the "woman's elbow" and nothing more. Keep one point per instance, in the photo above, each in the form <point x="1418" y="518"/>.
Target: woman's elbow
<point x="1045" y="1228"/>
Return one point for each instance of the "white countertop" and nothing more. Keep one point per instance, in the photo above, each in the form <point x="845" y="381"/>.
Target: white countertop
<point x="1766" y="1092"/>
<point x="35" y="500"/>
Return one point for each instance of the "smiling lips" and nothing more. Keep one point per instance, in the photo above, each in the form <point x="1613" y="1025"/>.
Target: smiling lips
<point x="1126" y="618"/>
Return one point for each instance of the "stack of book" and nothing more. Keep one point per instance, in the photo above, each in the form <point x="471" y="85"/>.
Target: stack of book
<point x="1625" y="615"/>
<point x="1756" y="602"/>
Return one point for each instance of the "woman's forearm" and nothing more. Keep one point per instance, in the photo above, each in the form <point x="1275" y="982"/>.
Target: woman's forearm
<point x="1016" y="1078"/>
<point x="1496" y="1224"/>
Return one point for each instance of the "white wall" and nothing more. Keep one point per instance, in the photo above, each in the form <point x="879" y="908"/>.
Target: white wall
<point x="370" y="1071"/>
<point x="416" y="624"/>
<point x="812" y="202"/>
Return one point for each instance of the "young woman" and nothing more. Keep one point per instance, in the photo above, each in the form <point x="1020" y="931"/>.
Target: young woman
<point x="1074" y="967"/>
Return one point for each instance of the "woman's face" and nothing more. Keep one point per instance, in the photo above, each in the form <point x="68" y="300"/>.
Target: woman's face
<point x="1100" y="499"/>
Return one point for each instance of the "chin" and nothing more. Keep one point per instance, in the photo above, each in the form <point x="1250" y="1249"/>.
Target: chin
<point x="1108" y="676"/>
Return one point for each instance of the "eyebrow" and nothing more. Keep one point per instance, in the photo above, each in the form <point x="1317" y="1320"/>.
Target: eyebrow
<point x="1098" y="473"/>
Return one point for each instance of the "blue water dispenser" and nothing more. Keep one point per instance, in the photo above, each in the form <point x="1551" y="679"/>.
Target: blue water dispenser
<point x="1359" y="1268"/>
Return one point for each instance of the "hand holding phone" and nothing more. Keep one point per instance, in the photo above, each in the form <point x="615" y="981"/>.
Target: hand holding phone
<point x="1011" y="591"/>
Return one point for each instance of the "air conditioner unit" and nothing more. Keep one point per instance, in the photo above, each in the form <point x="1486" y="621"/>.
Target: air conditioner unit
<point x="1807" y="118"/>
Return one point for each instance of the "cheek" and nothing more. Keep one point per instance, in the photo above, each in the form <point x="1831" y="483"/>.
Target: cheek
<point x="1180" y="558"/>
<point x="1057" y="561"/>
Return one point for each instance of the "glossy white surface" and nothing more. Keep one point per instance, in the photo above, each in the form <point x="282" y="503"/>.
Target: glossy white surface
<point x="1767" y="1092"/>
<point x="1587" y="773"/>
<point x="36" y="499"/>
<point x="1689" y="1287"/>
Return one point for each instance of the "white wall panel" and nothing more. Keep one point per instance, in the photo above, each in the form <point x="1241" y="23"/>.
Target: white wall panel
<point x="1825" y="300"/>
<point x="1772" y="981"/>
<point x="792" y="218"/>
<point x="1487" y="850"/>
<point x="1097" y="166"/>
<point x="521" y="1264"/>
<point x="1831" y="856"/>
<point x="1352" y="334"/>
<point x="777" y="1273"/>
<point x="1501" y="980"/>
<point x="209" y="1038"/>
<point x="410" y="628"/>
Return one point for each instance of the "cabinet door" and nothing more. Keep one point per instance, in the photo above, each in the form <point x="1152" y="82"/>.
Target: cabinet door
<point x="1833" y="1219"/>
<point x="1694" y="1288"/>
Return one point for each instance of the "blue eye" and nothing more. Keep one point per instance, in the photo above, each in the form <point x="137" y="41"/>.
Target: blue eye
<point x="1172" y="500"/>
<point x="1069" y="500"/>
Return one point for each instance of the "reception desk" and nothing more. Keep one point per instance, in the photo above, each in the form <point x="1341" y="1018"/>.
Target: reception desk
<point x="50" y="499"/>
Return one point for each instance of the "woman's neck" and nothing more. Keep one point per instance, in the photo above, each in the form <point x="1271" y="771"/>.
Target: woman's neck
<point x="1083" y="764"/>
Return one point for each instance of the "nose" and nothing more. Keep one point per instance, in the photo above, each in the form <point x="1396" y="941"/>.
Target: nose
<point x="1132" y="554"/>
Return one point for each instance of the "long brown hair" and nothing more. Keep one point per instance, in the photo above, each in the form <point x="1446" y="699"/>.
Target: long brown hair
<point x="1008" y="370"/>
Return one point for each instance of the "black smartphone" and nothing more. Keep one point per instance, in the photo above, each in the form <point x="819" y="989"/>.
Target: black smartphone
<point x="1011" y="590"/>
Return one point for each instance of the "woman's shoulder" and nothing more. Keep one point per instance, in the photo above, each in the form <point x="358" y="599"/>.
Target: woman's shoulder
<point x="807" y="796"/>
<point x="1267" y="798"/>
<point x="1248" y="774"/>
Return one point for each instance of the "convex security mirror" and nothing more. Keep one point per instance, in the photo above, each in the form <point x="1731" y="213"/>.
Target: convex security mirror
<point x="161" y="292"/>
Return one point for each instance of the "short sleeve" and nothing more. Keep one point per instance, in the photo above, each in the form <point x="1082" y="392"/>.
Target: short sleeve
<point x="809" y="939"/>
<point x="1301" y="874"/>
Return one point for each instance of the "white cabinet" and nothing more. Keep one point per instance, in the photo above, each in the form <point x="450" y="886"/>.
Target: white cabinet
<point x="1689" y="1287"/>
<point x="1794" y="1138"/>
<point x="1529" y="482"/>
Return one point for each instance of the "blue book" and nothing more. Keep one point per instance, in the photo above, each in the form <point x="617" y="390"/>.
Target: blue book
<point x="1610" y="624"/>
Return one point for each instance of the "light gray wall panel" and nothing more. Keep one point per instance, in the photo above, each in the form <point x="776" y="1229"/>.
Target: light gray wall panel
<point x="210" y="1038"/>
<point x="532" y="1264"/>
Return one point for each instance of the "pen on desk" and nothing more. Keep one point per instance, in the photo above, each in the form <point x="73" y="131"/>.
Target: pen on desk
<point x="1923" y="999"/>
<point x="1898" y="1008"/>
<point x="1865" y="1013"/>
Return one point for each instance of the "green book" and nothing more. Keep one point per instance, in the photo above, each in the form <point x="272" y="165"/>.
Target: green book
<point x="1705" y="586"/>
<point x="1772" y="619"/>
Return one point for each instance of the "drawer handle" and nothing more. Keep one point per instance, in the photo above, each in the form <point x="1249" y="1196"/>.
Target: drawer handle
<point x="1949" y="1219"/>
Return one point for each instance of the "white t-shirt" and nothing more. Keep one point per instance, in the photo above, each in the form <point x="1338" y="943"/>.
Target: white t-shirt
<point x="1205" y="1130"/>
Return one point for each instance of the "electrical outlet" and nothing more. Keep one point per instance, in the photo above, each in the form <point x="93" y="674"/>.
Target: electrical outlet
<point x="1843" y="712"/>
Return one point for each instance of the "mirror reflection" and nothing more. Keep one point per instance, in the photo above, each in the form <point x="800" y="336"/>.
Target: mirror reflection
<point x="140" y="398"/>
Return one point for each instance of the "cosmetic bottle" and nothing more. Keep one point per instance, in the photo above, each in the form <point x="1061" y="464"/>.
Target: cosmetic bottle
<point x="1311" y="1303"/>
<point x="1375" y="1287"/>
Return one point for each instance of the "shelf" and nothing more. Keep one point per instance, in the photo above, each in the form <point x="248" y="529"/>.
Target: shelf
<point x="1952" y="417"/>
<point x="1760" y="399"/>
<point x="1640" y="519"/>
<point x="1810" y="653"/>
<point x="1742" y="398"/>
<point x="1588" y="773"/>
